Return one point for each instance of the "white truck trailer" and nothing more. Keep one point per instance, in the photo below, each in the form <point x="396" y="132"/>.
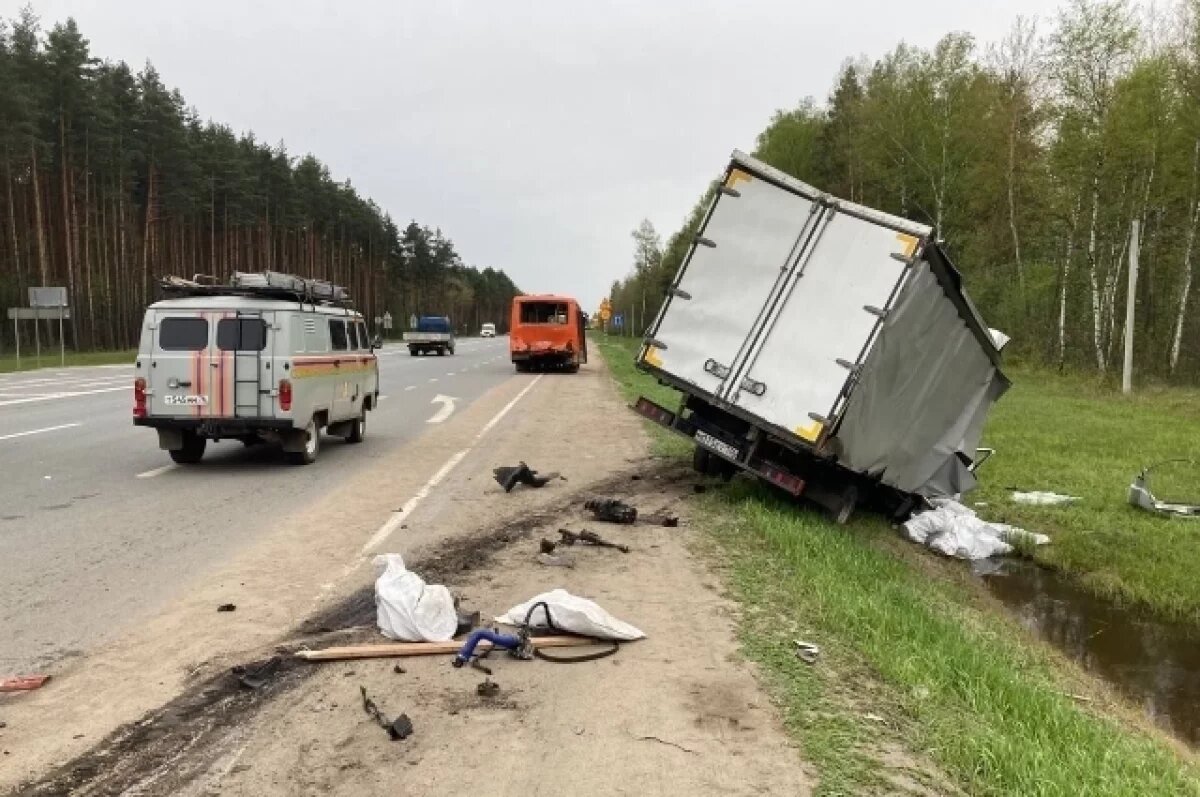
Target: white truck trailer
<point x="823" y="346"/>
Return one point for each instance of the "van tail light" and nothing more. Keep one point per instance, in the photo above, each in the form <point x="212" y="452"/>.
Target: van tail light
<point x="285" y="395"/>
<point x="139" y="398"/>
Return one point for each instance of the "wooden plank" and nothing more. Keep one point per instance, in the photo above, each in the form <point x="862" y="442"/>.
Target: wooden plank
<point x="396" y="649"/>
<point x="22" y="683"/>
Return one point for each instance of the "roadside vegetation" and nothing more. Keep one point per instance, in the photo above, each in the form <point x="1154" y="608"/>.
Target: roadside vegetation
<point x="8" y="363"/>
<point x="920" y="682"/>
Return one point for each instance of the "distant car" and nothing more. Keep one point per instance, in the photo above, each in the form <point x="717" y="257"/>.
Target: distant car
<point x="488" y="331"/>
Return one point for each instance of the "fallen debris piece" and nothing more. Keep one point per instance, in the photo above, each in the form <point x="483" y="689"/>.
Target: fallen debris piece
<point x="488" y="688"/>
<point x="566" y="612"/>
<point x="399" y="670"/>
<point x="227" y="607"/>
<point x="545" y="546"/>
<point x="670" y="521"/>
<point x="1039" y="498"/>
<point x="807" y="652"/>
<point x="23" y="683"/>
<point x="399" y="728"/>
<point x="610" y="510"/>
<point x="257" y="675"/>
<point x="664" y="741"/>
<point x="555" y="560"/>
<point x="407" y="608"/>
<point x="591" y="538"/>
<point x="954" y="530"/>
<point x="404" y="649"/>
<point x="1141" y="497"/>
<point x="510" y="477"/>
<point x="466" y="622"/>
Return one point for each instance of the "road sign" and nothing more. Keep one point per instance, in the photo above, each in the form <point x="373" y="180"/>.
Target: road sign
<point x="39" y="313"/>
<point x="605" y="313"/>
<point x="412" y="322"/>
<point x="618" y="320"/>
<point x="387" y="320"/>
<point x="47" y="297"/>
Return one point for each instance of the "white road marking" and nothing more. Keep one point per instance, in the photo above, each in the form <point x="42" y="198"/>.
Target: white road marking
<point x="447" y="409"/>
<point x="411" y="387"/>
<point x="433" y="379"/>
<point x="397" y="518"/>
<point x="39" y="431"/>
<point x="450" y="374"/>
<point x="52" y="396"/>
<point x="150" y="474"/>
<point x="381" y="398"/>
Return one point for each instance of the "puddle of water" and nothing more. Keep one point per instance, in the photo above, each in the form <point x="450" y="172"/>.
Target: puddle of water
<point x="1156" y="664"/>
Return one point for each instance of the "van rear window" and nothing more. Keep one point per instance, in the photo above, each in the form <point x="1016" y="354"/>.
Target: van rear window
<point x="241" y="334"/>
<point x="543" y="313"/>
<point x="183" y="334"/>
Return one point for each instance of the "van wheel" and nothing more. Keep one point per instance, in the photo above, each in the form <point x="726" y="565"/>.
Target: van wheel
<point x="358" y="429"/>
<point x="701" y="460"/>
<point x="573" y="368"/>
<point x="312" y="446"/>
<point x="192" y="451"/>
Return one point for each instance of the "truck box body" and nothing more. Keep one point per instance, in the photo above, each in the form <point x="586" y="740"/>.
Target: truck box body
<point x="547" y="332"/>
<point x="808" y="329"/>
<point x="433" y="333"/>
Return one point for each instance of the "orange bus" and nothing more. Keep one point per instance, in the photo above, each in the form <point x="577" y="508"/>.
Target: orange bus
<point x="546" y="333"/>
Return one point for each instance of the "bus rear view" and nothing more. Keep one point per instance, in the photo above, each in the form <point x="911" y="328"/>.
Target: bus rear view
<point x="546" y="334"/>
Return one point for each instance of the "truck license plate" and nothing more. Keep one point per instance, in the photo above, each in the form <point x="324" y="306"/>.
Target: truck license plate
<point x="720" y="446"/>
<point x="186" y="401"/>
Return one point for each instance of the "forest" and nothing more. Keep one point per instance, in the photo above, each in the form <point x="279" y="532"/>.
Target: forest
<point x="112" y="181"/>
<point x="1030" y="157"/>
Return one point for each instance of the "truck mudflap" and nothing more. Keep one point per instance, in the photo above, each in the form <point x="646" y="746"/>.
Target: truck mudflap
<point x="831" y="488"/>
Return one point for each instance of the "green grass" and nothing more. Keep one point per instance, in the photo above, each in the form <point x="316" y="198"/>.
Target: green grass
<point x="969" y="698"/>
<point x="50" y="359"/>
<point x="1074" y="435"/>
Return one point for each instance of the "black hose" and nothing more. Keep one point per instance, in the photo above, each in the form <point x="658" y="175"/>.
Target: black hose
<point x="567" y="659"/>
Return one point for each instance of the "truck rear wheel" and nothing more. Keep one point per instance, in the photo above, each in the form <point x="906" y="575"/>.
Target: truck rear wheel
<point x="192" y="450"/>
<point x="312" y="446"/>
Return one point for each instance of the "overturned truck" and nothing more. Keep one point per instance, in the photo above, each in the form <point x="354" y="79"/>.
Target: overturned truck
<point x="824" y="347"/>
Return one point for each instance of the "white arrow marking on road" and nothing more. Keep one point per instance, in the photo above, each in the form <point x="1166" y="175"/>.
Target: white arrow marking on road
<point x="447" y="409"/>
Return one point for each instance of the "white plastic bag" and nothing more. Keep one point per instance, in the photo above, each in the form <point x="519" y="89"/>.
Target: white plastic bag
<point x="955" y="530"/>
<point x="407" y="608"/>
<point x="571" y="613"/>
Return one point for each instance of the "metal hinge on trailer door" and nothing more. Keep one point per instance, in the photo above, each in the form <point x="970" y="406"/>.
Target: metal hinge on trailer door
<point x="716" y="369"/>
<point x="752" y="386"/>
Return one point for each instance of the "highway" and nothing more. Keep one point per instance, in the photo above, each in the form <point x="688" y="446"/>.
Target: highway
<point x="98" y="527"/>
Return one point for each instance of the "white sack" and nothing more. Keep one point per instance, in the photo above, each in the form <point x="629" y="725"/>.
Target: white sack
<point x="1041" y="498"/>
<point x="407" y="608"/>
<point x="571" y="613"/>
<point x="955" y="530"/>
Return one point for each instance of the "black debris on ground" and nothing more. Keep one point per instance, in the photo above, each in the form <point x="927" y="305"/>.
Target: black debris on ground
<point x="510" y="477"/>
<point x="227" y="607"/>
<point x="610" y="510"/>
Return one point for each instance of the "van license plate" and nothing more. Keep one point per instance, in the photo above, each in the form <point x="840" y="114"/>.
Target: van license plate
<point x="186" y="401"/>
<point x="720" y="446"/>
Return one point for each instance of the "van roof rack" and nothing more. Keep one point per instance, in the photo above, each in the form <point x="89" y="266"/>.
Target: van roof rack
<point x="262" y="284"/>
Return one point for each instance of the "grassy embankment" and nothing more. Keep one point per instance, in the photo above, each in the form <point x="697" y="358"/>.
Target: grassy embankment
<point x="8" y="362"/>
<point x="920" y="680"/>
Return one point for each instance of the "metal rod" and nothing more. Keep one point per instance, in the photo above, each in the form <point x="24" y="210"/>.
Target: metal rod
<point x="1131" y="296"/>
<point x="62" y="345"/>
<point x="37" y="334"/>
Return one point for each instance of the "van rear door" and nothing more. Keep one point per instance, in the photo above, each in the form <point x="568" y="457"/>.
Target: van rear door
<point x="242" y="377"/>
<point x="753" y="235"/>
<point x="178" y="379"/>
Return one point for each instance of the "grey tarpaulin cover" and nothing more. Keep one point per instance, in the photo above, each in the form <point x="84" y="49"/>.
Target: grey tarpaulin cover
<point x="916" y="415"/>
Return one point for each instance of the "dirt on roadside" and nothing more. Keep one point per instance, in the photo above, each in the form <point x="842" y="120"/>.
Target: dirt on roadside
<point x="679" y="712"/>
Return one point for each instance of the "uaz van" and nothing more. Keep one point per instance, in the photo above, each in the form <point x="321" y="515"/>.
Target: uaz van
<point x="269" y="357"/>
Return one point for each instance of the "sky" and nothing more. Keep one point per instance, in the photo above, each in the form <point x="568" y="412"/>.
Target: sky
<point x="536" y="135"/>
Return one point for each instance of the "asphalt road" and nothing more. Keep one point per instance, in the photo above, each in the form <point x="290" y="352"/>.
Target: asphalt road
<point x="98" y="526"/>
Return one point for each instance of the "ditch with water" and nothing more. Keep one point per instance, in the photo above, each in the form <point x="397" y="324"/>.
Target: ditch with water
<point x="1155" y="663"/>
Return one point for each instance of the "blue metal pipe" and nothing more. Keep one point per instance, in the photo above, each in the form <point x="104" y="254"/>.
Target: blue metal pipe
<point x="467" y="651"/>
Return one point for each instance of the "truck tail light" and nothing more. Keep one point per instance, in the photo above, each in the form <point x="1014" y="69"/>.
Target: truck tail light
<point x="139" y="398"/>
<point x="285" y="395"/>
<point x="781" y="478"/>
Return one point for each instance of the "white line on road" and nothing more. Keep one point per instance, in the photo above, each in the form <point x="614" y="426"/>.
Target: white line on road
<point x="411" y="387"/>
<point x="150" y="474"/>
<point x="433" y="379"/>
<point x="53" y="396"/>
<point x="39" y="431"/>
<point x="450" y="374"/>
<point x="397" y="518"/>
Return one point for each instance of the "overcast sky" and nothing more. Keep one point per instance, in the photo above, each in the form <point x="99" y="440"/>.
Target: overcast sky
<point x="535" y="134"/>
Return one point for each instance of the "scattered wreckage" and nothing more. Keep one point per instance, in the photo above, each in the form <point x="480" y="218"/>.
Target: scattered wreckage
<point x="824" y="347"/>
<point x="1141" y="496"/>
